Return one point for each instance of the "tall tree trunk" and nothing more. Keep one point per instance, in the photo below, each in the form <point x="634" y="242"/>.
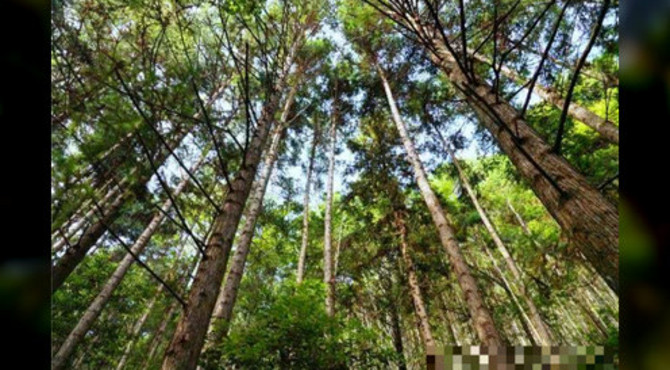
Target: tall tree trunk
<point x="595" y="319"/>
<point x="305" y="206"/>
<point x="74" y="255"/>
<point x="78" y="221"/>
<point x="528" y="325"/>
<point x="542" y="333"/>
<point x="450" y="320"/>
<point x="189" y="336"/>
<point x="608" y="130"/>
<point x="396" y="334"/>
<point x="413" y="281"/>
<point x="137" y="328"/>
<point x="483" y="321"/>
<point x="328" y="276"/>
<point x="338" y="246"/>
<point x="226" y="300"/>
<point x="93" y="311"/>
<point x="158" y="335"/>
<point x="583" y="213"/>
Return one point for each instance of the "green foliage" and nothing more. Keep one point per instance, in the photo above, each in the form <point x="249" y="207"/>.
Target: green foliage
<point x="292" y="330"/>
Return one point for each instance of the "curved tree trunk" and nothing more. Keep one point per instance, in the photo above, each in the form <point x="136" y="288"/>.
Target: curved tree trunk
<point x="483" y="321"/>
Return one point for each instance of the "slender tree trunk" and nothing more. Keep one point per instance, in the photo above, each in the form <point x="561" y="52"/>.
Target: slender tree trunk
<point x="608" y="130"/>
<point x="338" y="246"/>
<point x="158" y="335"/>
<point x="483" y="321"/>
<point x="140" y="323"/>
<point x="588" y="310"/>
<point x="526" y="321"/>
<point x="72" y="229"/>
<point x="74" y="255"/>
<point x="226" y="301"/>
<point x="137" y="327"/>
<point x="589" y="219"/>
<point x="80" y="360"/>
<point x="305" y="204"/>
<point x="451" y="321"/>
<point x="413" y="281"/>
<point x="93" y="311"/>
<point x="542" y="334"/>
<point x="189" y="337"/>
<point x="328" y="276"/>
<point x="396" y="335"/>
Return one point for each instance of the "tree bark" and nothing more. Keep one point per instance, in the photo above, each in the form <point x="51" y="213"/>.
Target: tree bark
<point x="328" y="276"/>
<point x="189" y="336"/>
<point x="74" y="255"/>
<point x="396" y="334"/>
<point x="305" y="203"/>
<point x="583" y="213"/>
<point x="96" y="307"/>
<point x="158" y="335"/>
<point x="542" y="334"/>
<point x="137" y="327"/>
<point x="226" y="301"/>
<point x="608" y="130"/>
<point x="483" y="321"/>
<point x="413" y="281"/>
<point x="528" y="325"/>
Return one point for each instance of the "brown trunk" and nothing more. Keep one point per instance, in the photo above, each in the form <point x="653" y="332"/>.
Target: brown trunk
<point x="584" y="214"/>
<point x="189" y="336"/>
<point x="305" y="203"/>
<point x="78" y="221"/>
<point x="83" y="326"/>
<point x="338" y="246"/>
<point x="158" y="335"/>
<point x="542" y="334"/>
<point x="483" y="321"/>
<point x="528" y="326"/>
<point x="608" y="130"/>
<point x="226" y="301"/>
<point x="74" y="255"/>
<point x="137" y="327"/>
<point x="413" y="281"/>
<point x="396" y="335"/>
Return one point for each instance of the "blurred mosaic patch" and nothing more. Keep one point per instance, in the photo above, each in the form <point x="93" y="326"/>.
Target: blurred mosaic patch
<point x="520" y="358"/>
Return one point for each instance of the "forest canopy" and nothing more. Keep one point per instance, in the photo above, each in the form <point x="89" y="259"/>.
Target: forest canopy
<point x="330" y="183"/>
